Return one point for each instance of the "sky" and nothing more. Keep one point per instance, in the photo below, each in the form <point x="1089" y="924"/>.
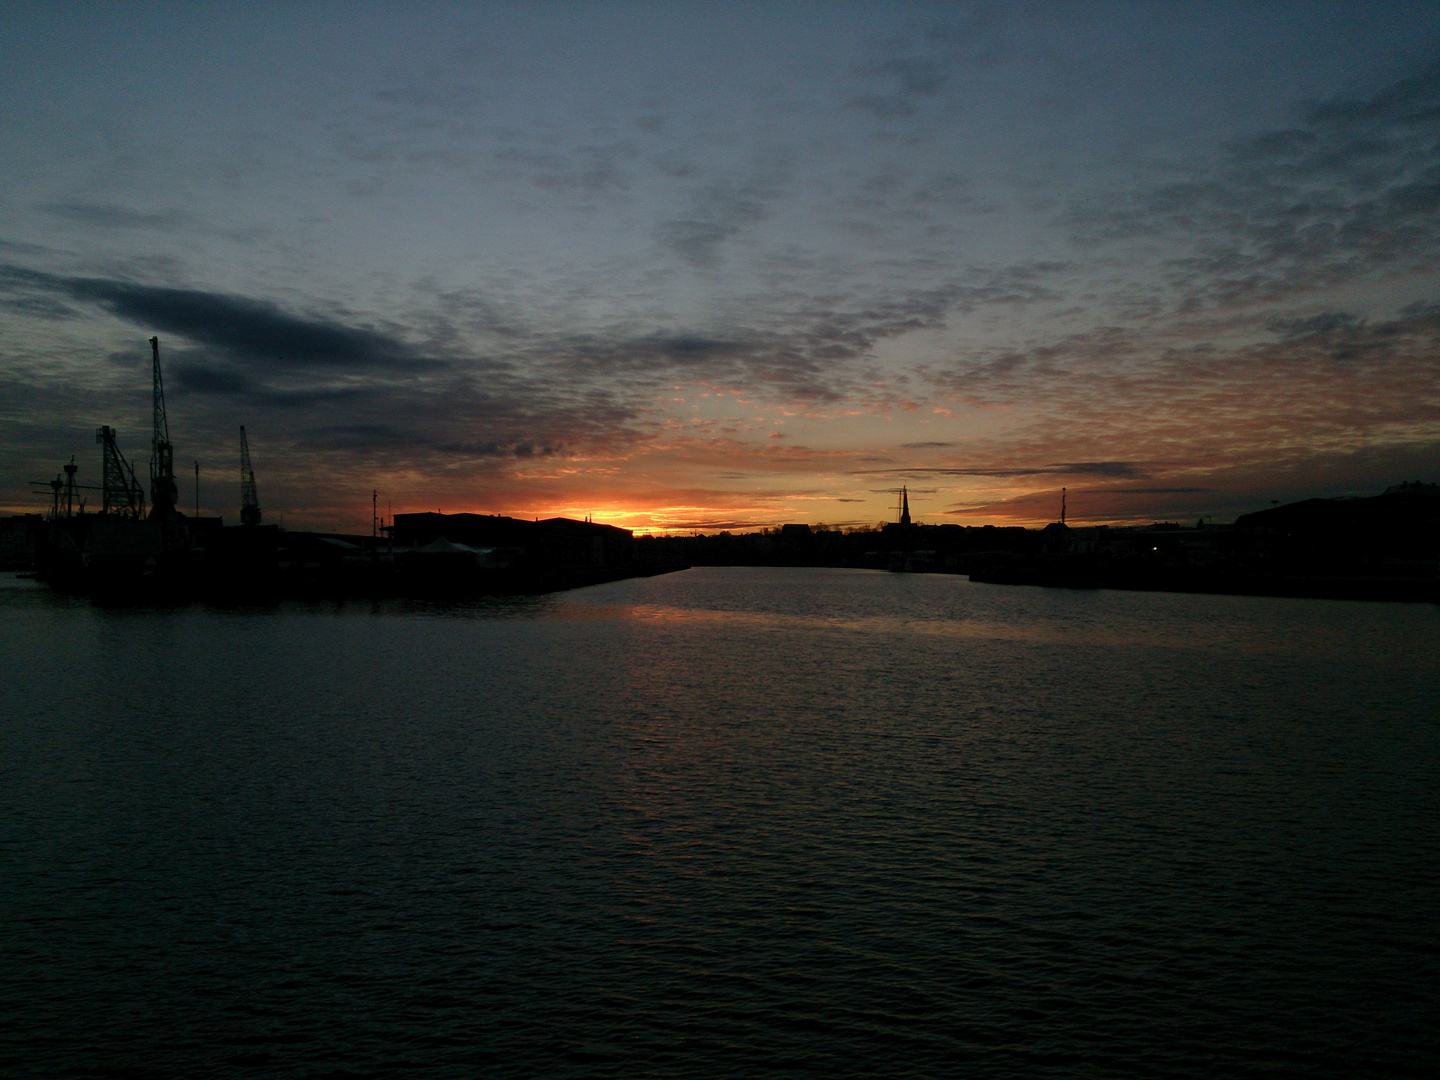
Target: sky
<point x="723" y="266"/>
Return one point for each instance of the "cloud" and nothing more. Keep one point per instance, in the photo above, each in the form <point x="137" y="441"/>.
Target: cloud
<point x="254" y="332"/>
<point x="724" y="359"/>
<point x="1096" y="505"/>
<point x="722" y="209"/>
<point x="247" y="348"/>
<point x="1291" y="396"/>
<point x="902" y="77"/>
<point x="809" y="350"/>
<point x="1324" y="324"/>
<point x="326" y="396"/>
<point x="587" y="169"/>
<point x="112" y="217"/>
<point x="450" y="115"/>
<point x="241" y="390"/>
<point x="698" y="241"/>
<point x="39" y="307"/>
<point x="1154" y="491"/>
<point x="209" y="380"/>
<point x="901" y="85"/>
<point x="1116" y="469"/>
<point x="1350" y="192"/>
<point x="104" y="216"/>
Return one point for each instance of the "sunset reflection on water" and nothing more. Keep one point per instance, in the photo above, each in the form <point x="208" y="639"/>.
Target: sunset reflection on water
<point x="705" y="822"/>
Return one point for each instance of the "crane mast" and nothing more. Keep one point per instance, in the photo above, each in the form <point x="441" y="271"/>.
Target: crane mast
<point x="122" y="492"/>
<point x="163" y="490"/>
<point x="249" y="498"/>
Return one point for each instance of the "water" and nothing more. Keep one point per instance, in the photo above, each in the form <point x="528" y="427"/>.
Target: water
<point x="731" y="822"/>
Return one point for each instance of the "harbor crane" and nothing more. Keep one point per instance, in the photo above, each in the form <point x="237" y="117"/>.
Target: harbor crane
<point x="164" y="492"/>
<point x="249" y="498"/>
<point x="121" y="493"/>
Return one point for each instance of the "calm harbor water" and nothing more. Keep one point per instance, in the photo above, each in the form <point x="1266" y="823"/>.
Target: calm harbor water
<point x="730" y="822"/>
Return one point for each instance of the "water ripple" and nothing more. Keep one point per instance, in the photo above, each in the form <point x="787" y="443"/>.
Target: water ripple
<point x="728" y="822"/>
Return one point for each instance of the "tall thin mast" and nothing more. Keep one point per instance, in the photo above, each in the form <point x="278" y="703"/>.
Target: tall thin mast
<point x="249" y="497"/>
<point x="163" y="490"/>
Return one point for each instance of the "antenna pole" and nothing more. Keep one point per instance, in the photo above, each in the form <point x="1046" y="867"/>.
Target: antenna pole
<point x="197" y="489"/>
<point x="1062" y="506"/>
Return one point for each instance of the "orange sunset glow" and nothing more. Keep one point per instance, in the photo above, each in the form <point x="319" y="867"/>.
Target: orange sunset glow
<point x="776" y="293"/>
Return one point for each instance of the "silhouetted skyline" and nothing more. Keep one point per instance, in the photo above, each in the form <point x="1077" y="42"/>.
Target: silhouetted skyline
<point x="681" y="267"/>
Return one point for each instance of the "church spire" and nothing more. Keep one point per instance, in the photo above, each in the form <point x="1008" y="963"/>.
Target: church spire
<point x="904" y="506"/>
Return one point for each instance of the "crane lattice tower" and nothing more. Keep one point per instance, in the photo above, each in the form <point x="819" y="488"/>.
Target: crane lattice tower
<point x="249" y="497"/>
<point x="164" y="492"/>
<point x="123" y="494"/>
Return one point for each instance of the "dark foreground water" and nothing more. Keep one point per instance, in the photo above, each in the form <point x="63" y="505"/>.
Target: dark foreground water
<point x="723" y="823"/>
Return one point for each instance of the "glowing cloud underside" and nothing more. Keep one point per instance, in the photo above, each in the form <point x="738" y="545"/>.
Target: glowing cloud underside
<point x="691" y="269"/>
